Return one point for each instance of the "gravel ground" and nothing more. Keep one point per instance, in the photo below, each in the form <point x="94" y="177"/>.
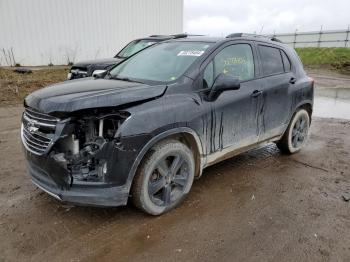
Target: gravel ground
<point x="258" y="206"/>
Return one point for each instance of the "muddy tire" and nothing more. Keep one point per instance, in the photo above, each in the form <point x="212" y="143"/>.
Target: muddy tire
<point x="164" y="178"/>
<point x="297" y="133"/>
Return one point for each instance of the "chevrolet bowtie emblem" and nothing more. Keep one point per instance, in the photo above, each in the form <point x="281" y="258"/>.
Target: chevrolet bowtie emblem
<point x="31" y="127"/>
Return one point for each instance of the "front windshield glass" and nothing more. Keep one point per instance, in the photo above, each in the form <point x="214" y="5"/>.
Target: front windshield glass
<point x="134" y="47"/>
<point x="164" y="62"/>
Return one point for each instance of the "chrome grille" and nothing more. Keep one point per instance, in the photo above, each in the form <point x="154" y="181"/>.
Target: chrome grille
<point x="37" y="131"/>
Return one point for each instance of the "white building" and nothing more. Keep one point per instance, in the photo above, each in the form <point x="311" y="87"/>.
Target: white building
<point x="40" y="32"/>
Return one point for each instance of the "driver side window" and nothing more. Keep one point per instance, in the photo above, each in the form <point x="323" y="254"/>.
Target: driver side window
<point x="234" y="60"/>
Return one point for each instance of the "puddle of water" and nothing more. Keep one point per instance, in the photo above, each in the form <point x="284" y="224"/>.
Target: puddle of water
<point x="332" y="103"/>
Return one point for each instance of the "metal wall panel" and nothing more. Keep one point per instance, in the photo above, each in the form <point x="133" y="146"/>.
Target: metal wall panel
<point x="57" y="31"/>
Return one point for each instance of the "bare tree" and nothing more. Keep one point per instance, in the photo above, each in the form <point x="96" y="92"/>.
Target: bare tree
<point x="9" y="57"/>
<point x="71" y="54"/>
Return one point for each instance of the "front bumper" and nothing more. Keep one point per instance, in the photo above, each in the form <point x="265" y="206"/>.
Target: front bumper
<point x="79" y="193"/>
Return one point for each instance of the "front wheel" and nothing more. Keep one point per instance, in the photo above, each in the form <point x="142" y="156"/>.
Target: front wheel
<point x="296" y="134"/>
<point x="164" y="178"/>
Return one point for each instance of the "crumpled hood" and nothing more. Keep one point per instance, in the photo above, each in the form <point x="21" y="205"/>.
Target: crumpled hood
<point x="87" y="93"/>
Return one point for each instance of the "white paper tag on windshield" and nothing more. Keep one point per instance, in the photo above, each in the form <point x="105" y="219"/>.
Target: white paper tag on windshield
<point x="190" y="53"/>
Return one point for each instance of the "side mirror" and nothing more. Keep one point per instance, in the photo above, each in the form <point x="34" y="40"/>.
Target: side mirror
<point x="99" y="73"/>
<point x="223" y="83"/>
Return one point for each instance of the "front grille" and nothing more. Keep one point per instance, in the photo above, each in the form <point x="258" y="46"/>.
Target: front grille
<point x="38" y="131"/>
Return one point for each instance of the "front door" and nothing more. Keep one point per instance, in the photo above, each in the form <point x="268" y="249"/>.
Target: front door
<point x="235" y="114"/>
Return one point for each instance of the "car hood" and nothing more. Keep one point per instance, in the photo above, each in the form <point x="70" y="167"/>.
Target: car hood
<point x="87" y="93"/>
<point x="104" y="61"/>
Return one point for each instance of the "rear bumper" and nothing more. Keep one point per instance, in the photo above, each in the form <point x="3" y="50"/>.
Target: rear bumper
<point x="79" y="193"/>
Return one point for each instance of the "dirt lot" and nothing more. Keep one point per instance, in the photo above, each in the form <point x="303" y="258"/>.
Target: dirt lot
<point x="14" y="86"/>
<point x="259" y="206"/>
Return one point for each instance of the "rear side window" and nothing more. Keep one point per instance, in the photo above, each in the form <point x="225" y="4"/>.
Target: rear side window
<point x="286" y="62"/>
<point x="271" y="60"/>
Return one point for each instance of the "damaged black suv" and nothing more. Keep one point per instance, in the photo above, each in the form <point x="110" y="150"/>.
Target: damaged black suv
<point x="145" y="129"/>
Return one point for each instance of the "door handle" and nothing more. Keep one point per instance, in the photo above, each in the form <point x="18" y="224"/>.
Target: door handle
<point x="256" y="93"/>
<point x="293" y="80"/>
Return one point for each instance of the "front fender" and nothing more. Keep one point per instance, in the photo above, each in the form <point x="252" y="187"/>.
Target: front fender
<point x="157" y="119"/>
<point x="154" y="140"/>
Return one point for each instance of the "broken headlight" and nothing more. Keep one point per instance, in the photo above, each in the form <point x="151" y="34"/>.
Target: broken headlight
<point x="85" y="151"/>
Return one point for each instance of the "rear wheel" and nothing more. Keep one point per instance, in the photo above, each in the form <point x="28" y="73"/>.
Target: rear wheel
<point x="164" y="178"/>
<point x="296" y="134"/>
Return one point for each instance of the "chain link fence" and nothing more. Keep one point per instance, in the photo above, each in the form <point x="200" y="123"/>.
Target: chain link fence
<point x="322" y="38"/>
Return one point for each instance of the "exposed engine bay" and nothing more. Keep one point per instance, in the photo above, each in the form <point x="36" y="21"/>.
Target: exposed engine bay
<point x="83" y="150"/>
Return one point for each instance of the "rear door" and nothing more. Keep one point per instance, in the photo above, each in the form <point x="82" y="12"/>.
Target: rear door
<point x="277" y="78"/>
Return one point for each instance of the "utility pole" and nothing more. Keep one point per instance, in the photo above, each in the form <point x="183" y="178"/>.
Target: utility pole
<point x="320" y="37"/>
<point x="295" y="38"/>
<point x="347" y="36"/>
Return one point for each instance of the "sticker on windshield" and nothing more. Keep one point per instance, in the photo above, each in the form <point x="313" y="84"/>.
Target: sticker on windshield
<point x="190" y="53"/>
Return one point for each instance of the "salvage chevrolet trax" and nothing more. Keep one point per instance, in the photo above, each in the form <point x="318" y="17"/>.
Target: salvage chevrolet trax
<point x="145" y="129"/>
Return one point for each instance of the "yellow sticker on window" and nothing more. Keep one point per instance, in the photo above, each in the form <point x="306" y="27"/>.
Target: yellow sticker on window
<point x="172" y="78"/>
<point x="234" y="61"/>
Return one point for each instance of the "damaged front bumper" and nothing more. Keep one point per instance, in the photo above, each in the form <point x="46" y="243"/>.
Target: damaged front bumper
<point x="78" y="161"/>
<point x="79" y="192"/>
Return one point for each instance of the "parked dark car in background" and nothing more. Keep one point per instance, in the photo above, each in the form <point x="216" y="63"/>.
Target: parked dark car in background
<point x="87" y="68"/>
<point x="149" y="126"/>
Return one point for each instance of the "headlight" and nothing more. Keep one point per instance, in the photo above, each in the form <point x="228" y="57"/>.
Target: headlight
<point x="98" y="72"/>
<point x="69" y="76"/>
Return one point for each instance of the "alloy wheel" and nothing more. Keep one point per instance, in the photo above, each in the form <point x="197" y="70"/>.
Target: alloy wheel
<point x="168" y="180"/>
<point x="299" y="132"/>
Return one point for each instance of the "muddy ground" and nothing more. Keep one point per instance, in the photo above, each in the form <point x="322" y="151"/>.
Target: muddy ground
<point x="259" y="206"/>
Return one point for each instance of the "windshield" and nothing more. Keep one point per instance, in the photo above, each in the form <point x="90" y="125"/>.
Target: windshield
<point x="164" y="62"/>
<point x="135" y="46"/>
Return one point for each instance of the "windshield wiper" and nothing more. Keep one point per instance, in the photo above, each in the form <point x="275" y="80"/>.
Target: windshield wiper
<point x="124" y="79"/>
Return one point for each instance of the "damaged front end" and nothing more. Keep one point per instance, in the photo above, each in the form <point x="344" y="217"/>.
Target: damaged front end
<point x="85" y="148"/>
<point x="66" y="155"/>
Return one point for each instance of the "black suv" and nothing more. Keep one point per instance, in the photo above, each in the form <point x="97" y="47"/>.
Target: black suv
<point x="98" y="66"/>
<point x="149" y="126"/>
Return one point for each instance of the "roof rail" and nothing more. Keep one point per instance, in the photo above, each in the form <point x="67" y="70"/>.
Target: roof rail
<point x="171" y="36"/>
<point x="180" y="35"/>
<point x="175" y="36"/>
<point x="234" y="35"/>
<point x="276" y="39"/>
<point x="253" y="35"/>
<point x="159" y="36"/>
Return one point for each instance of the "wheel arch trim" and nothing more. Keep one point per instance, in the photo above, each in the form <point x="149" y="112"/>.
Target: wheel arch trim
<point x="156" y="139"/>
<point x="305" y="103"/>
<point x="299" y="105"/>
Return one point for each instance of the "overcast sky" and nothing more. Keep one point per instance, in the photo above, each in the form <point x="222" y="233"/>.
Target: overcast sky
<point x="220" y="17"/>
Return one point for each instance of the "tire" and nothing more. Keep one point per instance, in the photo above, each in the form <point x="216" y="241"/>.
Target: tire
<point x="164" y="178"/>
<point x="297" y="133"/>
